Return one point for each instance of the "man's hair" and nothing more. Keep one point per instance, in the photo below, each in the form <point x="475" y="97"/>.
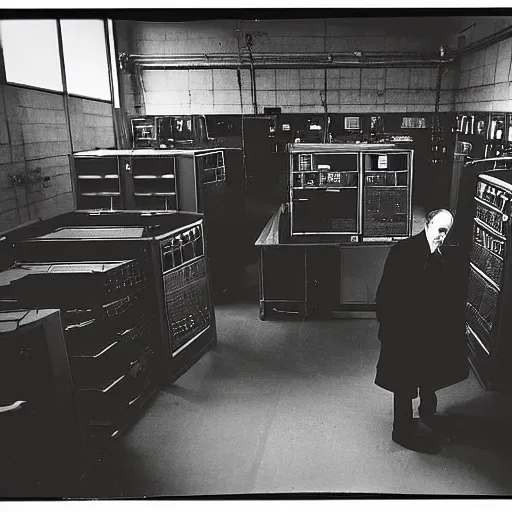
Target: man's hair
<point x="434" y="213"/>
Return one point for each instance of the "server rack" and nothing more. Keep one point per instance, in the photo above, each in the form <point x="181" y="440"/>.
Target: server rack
<point x="489" y="281"/>
<point x="356" y="192"/>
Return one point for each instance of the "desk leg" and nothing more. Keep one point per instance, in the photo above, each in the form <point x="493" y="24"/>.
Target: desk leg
<point x="262" y="313"/>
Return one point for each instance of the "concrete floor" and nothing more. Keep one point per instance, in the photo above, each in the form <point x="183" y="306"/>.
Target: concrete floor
<point x="289" y="406"/>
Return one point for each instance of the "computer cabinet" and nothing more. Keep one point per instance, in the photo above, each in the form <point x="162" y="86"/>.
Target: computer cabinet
<point x="43" y="448"/>
<point x="147" y="179"/>
<point x="170" y="180"/>
<point x="353" y="192"/>
<point x="489" y="281"/>
<point x="171" y="318"/>
<point x="108" y="329"/>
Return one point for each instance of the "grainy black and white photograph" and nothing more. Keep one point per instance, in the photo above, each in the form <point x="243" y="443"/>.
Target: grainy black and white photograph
<point x="255" y="253"/>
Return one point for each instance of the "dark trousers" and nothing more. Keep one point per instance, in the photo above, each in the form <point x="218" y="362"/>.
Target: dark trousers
<point x="402" y="409"/>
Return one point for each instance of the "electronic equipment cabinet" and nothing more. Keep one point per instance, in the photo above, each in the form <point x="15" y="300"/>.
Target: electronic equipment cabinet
<point x="351" y="192"/>
<point x="163" y="131"/>
<point x="109" y="333"/>
<point x="43" y="448"/>
<point x="147" y="179"/>
<point x="205" y="181"/>
<point x="175" y="299"/>
<point x="490" y="282"/>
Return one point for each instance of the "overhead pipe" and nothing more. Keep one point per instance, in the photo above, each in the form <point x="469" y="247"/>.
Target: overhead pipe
<point x="506" y="33"/>
<point x="287" y="60"/>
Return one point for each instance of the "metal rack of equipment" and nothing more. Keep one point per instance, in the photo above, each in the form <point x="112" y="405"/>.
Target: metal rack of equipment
<point x="489" y="280"/>
<point x="135" y="297"/>
<point x="354" y="192"/>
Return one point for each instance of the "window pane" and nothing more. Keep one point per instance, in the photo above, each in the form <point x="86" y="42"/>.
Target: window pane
<point x="85" y="58"/>
<point x="31" y="53"/>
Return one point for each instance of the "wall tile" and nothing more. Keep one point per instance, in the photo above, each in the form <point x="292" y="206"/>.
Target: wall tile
<point x="397" y="78"/>
<point x="152" y="31"/>
<point x="226" y="79"/>
<point x="491" y="54"/>
<point x="396" y="97"/>
<point x="423" y="78"/>
<point x="287" y="79"/>
<point x="502" y="70"/>
<point x="350" y="97"/>
<point x="368" y="96"/>
<point x="505" y="50"/>
<point x="501" y="91"/>
<point x="333" y="98"/>
<point x="5" y="154"/>
<point x="372" y="78"/>
<point x="200" y="79"/>
<point x="476" y="77"/>
<point x="337" y="44"/>
<point x="447" y="97"/>
<point x="38" y="115"/>
<point x="226" y="97"/>
<point x="98" y="108"/>
<point x="95" y="120"/>
<point x="44" y="133"/>
<point x="39" y="99"/>
<point x="43" y="149"/>
<point x="203" y="97"/>
<point x="4" y="132"/>
<point x="313" y="97"/>
<point x="267" y="98"/>
<point x="288" y="98"/>
<point x="489" y="74"/>
<point x="9" y="220"/>
<point x="18" y="153"/>
<point x="265" y="80"/>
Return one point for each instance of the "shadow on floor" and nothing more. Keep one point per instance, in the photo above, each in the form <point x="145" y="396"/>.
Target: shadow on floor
<point x="484" y="422"/>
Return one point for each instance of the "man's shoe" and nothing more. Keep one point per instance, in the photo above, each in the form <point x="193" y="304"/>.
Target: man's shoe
<point x="417" y="442"/>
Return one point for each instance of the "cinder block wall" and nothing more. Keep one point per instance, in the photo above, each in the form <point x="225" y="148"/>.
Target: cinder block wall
<point x="294" y="90"/>
<point x="485" y="79"/>
<point x="34" y="137"/>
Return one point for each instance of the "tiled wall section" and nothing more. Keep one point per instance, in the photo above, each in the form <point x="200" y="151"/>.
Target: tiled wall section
<point x="91" y="124"/>
<point x="33" y="135"/>
<point x="296" y="90"/>
<point x="307" y="35"/>
<point x="486" y="79"/>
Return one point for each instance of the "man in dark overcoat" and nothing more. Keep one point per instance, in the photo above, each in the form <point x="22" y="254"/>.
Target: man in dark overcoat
<point x="420" y="309"/>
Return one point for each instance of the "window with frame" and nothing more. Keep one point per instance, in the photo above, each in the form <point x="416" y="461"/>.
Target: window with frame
<point x="85" y="58"/>
<point x="31" y="53"/>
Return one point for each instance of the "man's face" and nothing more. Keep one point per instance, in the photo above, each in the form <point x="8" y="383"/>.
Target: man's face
<point x="438" y="228"/>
